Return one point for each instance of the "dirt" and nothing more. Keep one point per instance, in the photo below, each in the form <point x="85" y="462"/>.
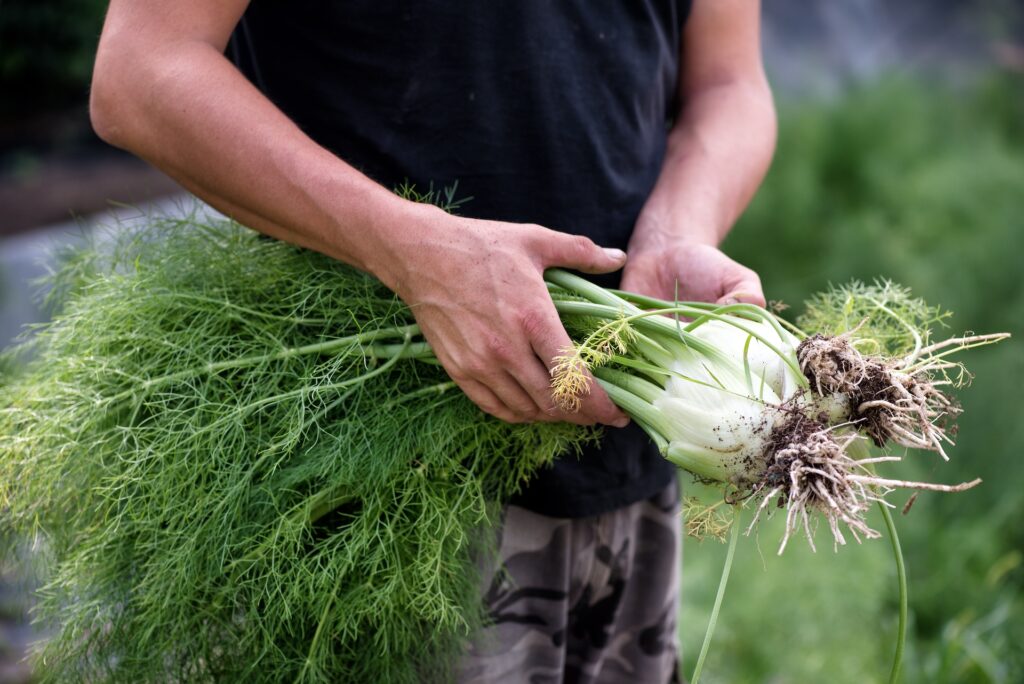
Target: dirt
<point x="833" y="366"/>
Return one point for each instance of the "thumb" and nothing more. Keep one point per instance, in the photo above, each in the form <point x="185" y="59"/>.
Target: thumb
<point x="580" y="253"/>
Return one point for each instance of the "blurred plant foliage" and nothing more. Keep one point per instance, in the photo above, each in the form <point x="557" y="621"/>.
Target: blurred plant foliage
<point x="46" y="53"/>
<point x="922" y="184"/>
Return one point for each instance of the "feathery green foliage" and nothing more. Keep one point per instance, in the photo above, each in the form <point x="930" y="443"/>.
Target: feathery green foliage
<point x="225" y="494"/>
<point x="888" y="320"/>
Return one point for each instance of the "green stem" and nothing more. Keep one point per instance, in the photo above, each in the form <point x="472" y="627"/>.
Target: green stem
<point x="416" y="350"/>
<point x="698" y="310"/>
<point x="654" y="303"/>
<point x="901" y="575"/>
<point x="737" y="311"/>
<point x="657" y="322"/>
<point x="734" y="535"/>
<point x="287" y="352"/>
<point x="438" y="389"/>
<point x="320" y="627"/>
<point x="860" y="450"/>
<point x="644" y="321"/>
<point x="228" y="304"/>
<point x="646" y="302"/>
<point x="587" y="289"/>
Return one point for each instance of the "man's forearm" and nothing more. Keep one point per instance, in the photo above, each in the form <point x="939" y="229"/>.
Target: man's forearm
<point x="188" y="111"/>
<point x="718" y="153"/>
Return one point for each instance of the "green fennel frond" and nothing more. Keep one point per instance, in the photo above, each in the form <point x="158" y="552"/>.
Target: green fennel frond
<point x="883" y="318"/>
<point x="230" y="488"/>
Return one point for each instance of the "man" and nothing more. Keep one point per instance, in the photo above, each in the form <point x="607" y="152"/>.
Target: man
<point x="639" y="124"/>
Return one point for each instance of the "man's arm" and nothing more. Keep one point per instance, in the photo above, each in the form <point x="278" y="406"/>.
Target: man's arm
<point x="163" y="90"/>
<point x="718" y="153"/>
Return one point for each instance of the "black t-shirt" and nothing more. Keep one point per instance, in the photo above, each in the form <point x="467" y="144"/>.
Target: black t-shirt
<point x="545" y="111"/>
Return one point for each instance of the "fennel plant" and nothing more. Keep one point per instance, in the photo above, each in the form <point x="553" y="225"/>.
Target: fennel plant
<point x="243" y="461"/>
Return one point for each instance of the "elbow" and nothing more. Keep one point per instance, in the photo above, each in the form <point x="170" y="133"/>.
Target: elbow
<point x="114" y="94"/>
<point x="105" y="98"/>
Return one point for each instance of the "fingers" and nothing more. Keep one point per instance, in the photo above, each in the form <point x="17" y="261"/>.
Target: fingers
<point x="486" y="400"/>
<point x="536" y="379"/>
<point x="549" y="340"/>
<point x="504" y="381"/>
<point x="504" y="402"/>
<point x="747" y="289"/>
<point x="495" y="390"/>
<point x="692" y="271"/>
<point x="579" y="253"/>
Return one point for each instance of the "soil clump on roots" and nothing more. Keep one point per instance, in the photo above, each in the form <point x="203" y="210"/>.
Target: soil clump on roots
<point x="809" y="471"/>
<point x="886" y="402"/>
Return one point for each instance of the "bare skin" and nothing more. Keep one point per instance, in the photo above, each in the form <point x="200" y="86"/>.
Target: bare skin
<point x="163" y="89"/>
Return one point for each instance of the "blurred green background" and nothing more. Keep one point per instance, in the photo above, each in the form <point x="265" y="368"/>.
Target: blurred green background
<point x="922" y="183"/>
<point x="901" y="155"/>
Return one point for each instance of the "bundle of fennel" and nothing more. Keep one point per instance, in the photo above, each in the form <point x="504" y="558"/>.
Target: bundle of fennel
<point x="241" y="460"/>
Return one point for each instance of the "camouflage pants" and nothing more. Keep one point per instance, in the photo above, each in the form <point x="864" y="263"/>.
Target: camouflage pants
<point x="588" y="601"/>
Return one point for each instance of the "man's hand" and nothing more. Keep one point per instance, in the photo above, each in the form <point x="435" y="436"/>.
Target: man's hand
<point x="691" y="271"/>
<point x="477" y="291"/>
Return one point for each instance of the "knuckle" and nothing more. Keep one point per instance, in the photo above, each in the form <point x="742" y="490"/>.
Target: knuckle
<point x="523" y="407"/>
<point x="459" y="376"/>
<point x="532" y="322"/>
<point x="492" y="408"/>
<point x="533" y="417"/>
<point x="534" y="236"/>
<point x="498" y="348"/>
<point x="581" y="419"/>
<point x="581" y="245"/>
<point x="600" y="411"/>
<point x="549" y="410"/>
<point x="476" y="366"/>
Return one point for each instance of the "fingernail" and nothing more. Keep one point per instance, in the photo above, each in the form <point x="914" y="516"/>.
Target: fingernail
<point x="727" y="301"/>
<point x="621" y="423"/>
<point x="614" y="254"/>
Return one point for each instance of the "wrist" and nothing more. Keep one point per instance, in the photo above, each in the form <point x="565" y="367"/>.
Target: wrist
<point x="658" y="231"/>
<point x="405" y="234"/>
<point x="658" y="238"/>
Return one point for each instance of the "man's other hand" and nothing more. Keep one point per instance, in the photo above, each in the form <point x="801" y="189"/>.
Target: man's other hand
<point x="703" y="273"/>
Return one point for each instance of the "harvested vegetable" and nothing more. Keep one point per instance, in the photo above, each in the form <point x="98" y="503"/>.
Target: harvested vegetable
<point x="733" y="397"/>
<point x="242" y="460"/>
